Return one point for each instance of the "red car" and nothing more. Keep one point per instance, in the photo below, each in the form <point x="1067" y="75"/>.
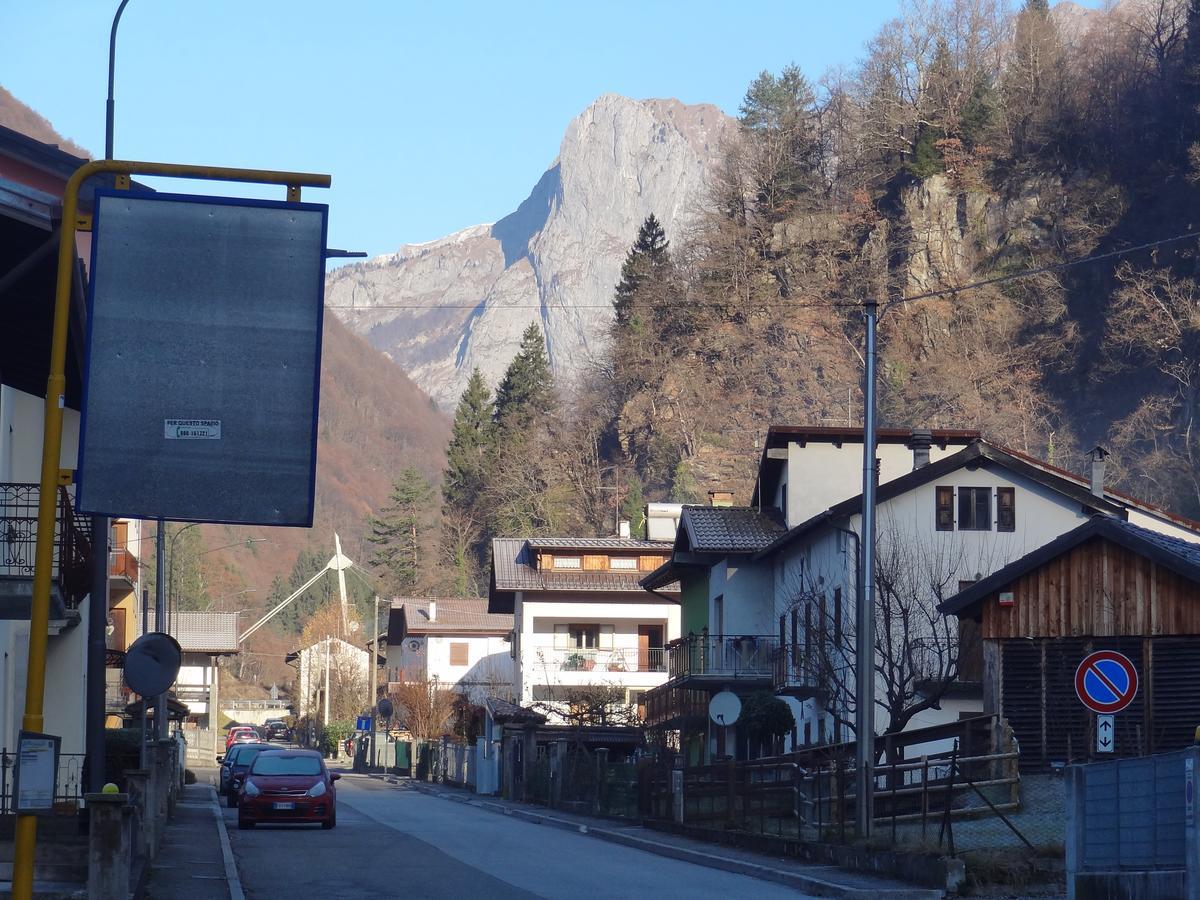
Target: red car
<point x="288" y="786"/>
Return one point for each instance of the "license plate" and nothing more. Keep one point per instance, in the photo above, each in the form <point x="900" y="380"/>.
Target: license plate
<point x="285" y="806"/>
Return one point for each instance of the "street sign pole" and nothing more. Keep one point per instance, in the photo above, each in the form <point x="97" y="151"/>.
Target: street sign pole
<point x="864" y="650"/>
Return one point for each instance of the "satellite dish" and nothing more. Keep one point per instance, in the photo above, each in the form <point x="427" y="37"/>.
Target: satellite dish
<point x="152" y="663"/>
<point x="384" y="708"/>
<point x="724" y="708"/>
<point x="414" y="644"/>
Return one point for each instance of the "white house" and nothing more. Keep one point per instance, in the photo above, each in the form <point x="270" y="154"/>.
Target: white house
<point x="32" y="176"/>
<point x="203" y="637"/>
<point x="964" y="508"/>
<point x="330" y="666"/>
<point x="581" y="621"/>
<point x="453" y="641"/>
<point x="952" y="509"/>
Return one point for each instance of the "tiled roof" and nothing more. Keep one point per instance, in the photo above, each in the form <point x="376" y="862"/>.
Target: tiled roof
<point x="503" y="711"/>
<point x="609" y="543"/>
<point x="452" y="615"/>
<point x="729" y="529"/>
<point x="514" y="568"/>
<point x="207" y="632"/>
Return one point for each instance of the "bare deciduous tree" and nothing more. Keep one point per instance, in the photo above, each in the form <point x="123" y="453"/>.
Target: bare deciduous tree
<point x="425" y="707"/>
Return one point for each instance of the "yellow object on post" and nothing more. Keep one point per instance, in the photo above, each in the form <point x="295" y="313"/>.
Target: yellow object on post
<point x="56" y="390"/>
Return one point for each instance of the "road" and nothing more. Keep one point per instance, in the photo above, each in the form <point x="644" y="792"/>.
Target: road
<point x="396" y="841"/>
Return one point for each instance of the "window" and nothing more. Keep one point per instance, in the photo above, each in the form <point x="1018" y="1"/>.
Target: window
<point x="719" y="615"/>
<point x="974" y="509"/>
<point x="459" y="654"/>
<point x="945" y="509"/>
<point x="583" y="637"/>
<point x="623" y="562"/>
<point x="567" y="562"/>
<point x="837" y="617"/>
<point x="1006" y="509"/>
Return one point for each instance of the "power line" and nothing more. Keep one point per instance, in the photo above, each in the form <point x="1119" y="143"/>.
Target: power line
<point x="789" y="304"/>
<point x="1043" y="270"/>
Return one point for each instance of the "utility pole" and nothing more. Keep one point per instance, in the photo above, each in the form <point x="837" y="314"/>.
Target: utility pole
<point x="160" y="618"/>
<point x="864" y="651"/>
<point x="373" y="649"/>
<point x="327" y="682"/>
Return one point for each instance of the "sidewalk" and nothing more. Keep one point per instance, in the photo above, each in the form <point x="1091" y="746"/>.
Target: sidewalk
<point x="818" y="880"/>
<point x="195" y="861"/>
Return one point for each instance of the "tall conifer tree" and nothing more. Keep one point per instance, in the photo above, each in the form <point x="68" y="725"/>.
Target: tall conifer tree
<point x="472" y="440"/>
<point x="527" y="387"/>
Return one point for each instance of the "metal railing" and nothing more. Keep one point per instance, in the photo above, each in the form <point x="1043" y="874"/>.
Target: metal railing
<point x="68" y="789"/>
<point x="622" y="660"/>
<point x="796" y="671"/>
<point x="727" y="656"/>
<point x="18" y="539"/>
<point x="123" y="564"/>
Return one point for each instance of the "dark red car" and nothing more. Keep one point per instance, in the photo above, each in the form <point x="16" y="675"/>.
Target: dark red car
<point x="288" y="786"/>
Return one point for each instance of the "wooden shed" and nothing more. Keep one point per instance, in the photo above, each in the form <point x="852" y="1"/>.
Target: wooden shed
<point x="1107" y="585"/>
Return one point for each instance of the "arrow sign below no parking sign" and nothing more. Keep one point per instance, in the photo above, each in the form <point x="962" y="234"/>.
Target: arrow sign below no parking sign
<point x="1106" y="682"/>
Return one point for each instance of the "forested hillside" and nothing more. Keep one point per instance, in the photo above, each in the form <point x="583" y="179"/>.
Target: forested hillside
<point x="971" y="141"/>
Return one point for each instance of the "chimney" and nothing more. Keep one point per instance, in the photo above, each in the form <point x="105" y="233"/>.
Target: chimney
<point x="720" y="498"/>
<point x="1098" y="455"/>
<point x="623" y="528"/>
<point x="919" y="442"/>
<point x="432" y="610"/>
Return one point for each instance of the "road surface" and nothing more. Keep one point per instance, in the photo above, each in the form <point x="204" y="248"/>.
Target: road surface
<point x="395" y="841"/>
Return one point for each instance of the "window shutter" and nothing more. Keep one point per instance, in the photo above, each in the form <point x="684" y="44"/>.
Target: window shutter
<point x="459" y="655"/>
<point x="606" y="636"/>
<point x="1006" y="509"/>
<point x="562" y="637"/>
<point x="595" y="563"/>
<point x="945" y="508"/>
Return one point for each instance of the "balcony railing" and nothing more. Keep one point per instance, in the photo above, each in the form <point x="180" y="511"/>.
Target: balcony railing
<point x="668" y="706"/>
<point x="18" y="540"/>
<point x="796" y="671"/>
<point x="123" y="564"/>
<point x="623" y="660"/>
<point x="722" y="656"/>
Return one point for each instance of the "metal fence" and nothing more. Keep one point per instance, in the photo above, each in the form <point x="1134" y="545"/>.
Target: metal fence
<point x="68" y="789"/>
<point x="18" y="539"/>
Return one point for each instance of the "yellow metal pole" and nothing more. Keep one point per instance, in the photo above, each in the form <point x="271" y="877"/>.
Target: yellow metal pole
<point x="56" y="391"/>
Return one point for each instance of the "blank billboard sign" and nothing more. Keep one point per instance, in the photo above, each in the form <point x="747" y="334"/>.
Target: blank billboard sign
<point x="203" y="359"/>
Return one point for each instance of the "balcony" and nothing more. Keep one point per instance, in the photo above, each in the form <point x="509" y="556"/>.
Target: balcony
<point x="713" y="659"/>
<point x="123" y="567"/>
<point x="621" y="660"/>
<point x="18" y="541"/>
<point x="673" y="707"/>
<point x="796" y="673"/>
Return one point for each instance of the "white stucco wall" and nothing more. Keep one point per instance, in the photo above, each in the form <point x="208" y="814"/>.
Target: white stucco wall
<point x="489" y="669"/>
<point x="21" y="423"/>
<point x="541" y="664"/>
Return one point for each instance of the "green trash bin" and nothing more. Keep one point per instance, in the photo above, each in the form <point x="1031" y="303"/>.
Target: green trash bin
<point x="404" y="756"/>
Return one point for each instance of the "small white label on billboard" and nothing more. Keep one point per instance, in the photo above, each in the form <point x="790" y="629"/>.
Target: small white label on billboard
<point x="192" y="429"/>
<point x="1105" y="742"/>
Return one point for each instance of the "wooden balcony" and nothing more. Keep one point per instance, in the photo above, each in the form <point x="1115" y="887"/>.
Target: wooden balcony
<point x="123" y="567"/>
<point x="673" y="707"/>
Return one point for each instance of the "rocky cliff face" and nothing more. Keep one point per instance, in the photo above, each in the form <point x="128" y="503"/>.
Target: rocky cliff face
<point x="442" y="308"/>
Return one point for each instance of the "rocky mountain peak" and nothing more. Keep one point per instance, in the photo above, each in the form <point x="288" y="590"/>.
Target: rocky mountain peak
<point x="441" y="308"/>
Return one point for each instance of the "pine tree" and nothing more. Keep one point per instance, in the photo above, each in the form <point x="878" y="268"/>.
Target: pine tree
<point x="398" y="531"/>
<point x="633" y="508"/>
<point x="472" y="440"/>
<point x="527" y="387"/>
<point x="646" y="258"/>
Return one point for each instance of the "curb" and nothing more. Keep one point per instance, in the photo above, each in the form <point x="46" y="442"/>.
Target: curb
<point x="232" y="879"/>
<point x="809" y="884"/>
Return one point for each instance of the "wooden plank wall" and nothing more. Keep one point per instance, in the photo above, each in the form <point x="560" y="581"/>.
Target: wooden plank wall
<point x="1097" y="588"/>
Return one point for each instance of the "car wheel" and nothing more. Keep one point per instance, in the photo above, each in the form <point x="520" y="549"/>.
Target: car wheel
<point x="231" y="800"/>
<point x="245" y="825"/>
<point x="331" y="821"/>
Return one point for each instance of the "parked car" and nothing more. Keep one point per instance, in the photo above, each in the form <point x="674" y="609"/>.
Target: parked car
<point x="229" y="760"/>
<point x="239" y="760"/>
<point x="288" y="786"/>
<point x="232" y="737"/>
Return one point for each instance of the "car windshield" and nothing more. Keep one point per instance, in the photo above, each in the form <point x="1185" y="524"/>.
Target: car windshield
<point x="247" y="755"/>
<point x="286" y="765"/>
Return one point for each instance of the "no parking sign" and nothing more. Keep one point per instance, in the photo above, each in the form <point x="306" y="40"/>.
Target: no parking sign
<point x="1106" y="681"/>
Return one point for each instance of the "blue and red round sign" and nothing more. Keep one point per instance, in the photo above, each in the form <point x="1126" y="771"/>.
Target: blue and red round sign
<point x="1106" y="681"/>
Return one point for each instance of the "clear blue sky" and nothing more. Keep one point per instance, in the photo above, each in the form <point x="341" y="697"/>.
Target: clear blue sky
<point x="429" y="116"/>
